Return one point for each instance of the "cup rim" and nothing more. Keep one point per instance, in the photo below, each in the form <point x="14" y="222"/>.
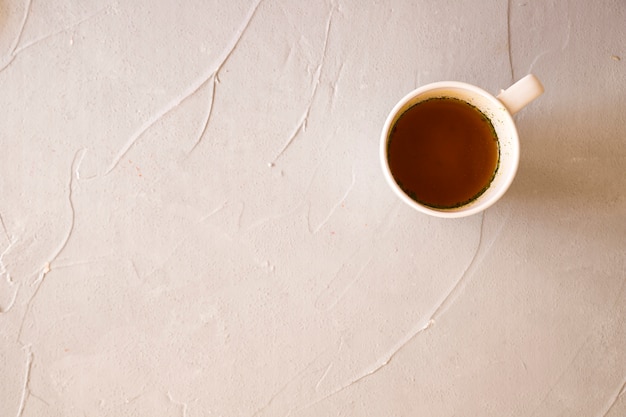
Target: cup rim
<point x="475" y="206"/>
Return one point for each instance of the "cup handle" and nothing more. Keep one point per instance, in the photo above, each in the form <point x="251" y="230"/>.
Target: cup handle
<point x="517" y="96"/>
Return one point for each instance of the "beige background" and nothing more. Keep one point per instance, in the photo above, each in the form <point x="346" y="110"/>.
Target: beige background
<point x="194" y="221"/>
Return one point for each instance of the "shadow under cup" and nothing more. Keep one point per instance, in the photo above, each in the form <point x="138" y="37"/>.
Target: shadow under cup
<point x="505" y="131"/>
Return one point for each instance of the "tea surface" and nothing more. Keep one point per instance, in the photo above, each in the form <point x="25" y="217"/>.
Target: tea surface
<point x="443" y="152"/>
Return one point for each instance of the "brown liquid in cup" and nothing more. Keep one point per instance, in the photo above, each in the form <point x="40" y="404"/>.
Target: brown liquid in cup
<point x="443" y="152"/>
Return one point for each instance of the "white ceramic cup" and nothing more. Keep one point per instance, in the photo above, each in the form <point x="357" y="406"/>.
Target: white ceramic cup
<point x="498" y="109"/>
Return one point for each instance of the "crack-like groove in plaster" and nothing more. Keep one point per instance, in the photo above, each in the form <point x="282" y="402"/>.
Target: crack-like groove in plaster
<point x="615" y="398"/>
<point x="15" y="50"/>
<point x="508" y="37"/>
<point x="191" y="90"/>
<point x="302" y="122"/>
<point x="74" y="168"/>
<point x="26" y="386"/>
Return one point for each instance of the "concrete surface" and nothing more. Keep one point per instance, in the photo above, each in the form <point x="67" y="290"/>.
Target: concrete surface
<point x="194" y="221"/>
